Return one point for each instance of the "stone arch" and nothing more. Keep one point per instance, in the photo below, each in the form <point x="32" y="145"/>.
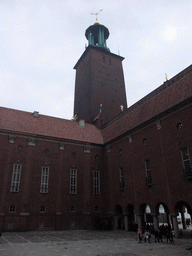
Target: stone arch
<point x="119" y="218"/>
<point x="145" y="218"/>
<point x="162" y="213"/>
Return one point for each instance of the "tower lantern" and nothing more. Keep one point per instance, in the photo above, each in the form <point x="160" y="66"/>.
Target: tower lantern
<point x="97" y="35"/>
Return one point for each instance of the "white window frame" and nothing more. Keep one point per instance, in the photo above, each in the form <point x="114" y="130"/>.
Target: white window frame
<point x="44" y="179"/>
<point x="73" y="181"/>
<point x="96" y="182"/>
<point x="15" y="183"/>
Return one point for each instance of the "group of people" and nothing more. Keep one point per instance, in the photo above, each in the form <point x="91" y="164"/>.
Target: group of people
<point x="163" y="231"/>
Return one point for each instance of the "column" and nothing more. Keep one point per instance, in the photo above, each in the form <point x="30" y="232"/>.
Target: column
<point x="183" y="219"/>
<point x="175" y="225"/>
<point x="126" y="222"/>
<point x="139" y="220"/>
<point x="156" y="222"/>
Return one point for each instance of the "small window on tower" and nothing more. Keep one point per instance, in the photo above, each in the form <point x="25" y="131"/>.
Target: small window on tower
<point x="103" y="59"/>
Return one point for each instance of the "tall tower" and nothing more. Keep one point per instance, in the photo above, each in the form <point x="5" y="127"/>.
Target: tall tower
<point x="99" y="85"/>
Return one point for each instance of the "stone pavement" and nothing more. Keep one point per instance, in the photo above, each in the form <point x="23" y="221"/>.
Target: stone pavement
<point x="84" y="242"/>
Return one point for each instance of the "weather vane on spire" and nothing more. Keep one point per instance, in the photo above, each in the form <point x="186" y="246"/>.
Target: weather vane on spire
<point x="97" y="13"/>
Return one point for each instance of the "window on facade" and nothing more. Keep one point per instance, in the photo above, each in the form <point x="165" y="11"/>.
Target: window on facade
<point x="96" y="208"/>
<point x="121" y="178"/>
<point x="16" y="178"/>
<point x="44" y="179"/>
<point x="41" y="224"/>
<point x="148" y="172"/>
<point x="12" y="209"/>
<point x="96" y="182"/>
<point x="186" y="163"/>
<point x="73" y="181"/>
<point x="42" y="208"/>
<point x="72" y="208"/>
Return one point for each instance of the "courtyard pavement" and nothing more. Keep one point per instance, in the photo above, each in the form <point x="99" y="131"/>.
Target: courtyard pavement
<point x="84" y="242"/>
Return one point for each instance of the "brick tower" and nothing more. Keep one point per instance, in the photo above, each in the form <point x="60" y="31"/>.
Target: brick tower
<point x="99" y="86"/>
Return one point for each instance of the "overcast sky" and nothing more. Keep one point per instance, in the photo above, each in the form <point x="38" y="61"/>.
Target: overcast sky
<point x="41" y="41"/>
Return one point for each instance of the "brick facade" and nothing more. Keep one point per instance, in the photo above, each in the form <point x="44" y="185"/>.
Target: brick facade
<point x="132" y="161"/>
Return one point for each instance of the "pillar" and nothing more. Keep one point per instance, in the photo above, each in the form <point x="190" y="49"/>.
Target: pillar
<point x="156" y="222"/>
<point x="139" y="220"/>
<point x="126" y="222"/>
<point x="183" y="219"/>
<point x="175" y="225"/>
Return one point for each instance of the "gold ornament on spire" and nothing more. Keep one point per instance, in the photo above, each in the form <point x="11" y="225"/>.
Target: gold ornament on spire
<point x="97" y="13"/>
<point x="166" y="77"/>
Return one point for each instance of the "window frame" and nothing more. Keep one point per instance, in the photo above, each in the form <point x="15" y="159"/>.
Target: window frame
<point x="44" y="180"/>
<point x="73" y="181"/>
<point x="148" y="172"/>
<point x="186" y="163"/>
<point x="12" y="209"/>
<point x="96" y="182"/>
<point x="16" y="176"/>
<point x="122" y="184"/>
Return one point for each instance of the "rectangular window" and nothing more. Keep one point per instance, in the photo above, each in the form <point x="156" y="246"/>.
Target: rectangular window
<point x="148" y="172"/>
<point x="186" y="163"/>
<point x="96" y="182"/>
<point x="12" y="208"/>
<point x="44" y="179"/>
<point x="73" y="181"/>
<point x="121" y="178"/>
<point x="16" y="178"/>
<point x="42" y="209"/>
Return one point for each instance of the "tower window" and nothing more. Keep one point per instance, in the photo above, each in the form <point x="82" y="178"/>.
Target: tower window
<point x="104" y="59"/>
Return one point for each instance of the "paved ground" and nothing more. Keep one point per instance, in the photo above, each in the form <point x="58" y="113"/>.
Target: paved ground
<point x="95" y="243"/>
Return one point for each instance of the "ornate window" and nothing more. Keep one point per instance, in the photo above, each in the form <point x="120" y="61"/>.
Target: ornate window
<point x="16" y="178"/>
<point x="44" y="179"/>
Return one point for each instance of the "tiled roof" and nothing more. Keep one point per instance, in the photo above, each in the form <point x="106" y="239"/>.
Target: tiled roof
<point x="24" y="122"/>
<point x="171" y="93"/>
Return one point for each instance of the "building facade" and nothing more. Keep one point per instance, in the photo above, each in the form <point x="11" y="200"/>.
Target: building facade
<point x="111" y="167"/>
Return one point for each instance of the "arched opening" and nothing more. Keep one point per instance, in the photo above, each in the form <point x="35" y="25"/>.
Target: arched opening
<point x="184" y="214"/>
<point x="119" y="219"/>
<point x="162" y="214"/>
<point x="146" y="219"/>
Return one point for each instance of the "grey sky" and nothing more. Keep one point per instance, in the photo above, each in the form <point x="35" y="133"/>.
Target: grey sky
<point x="41" y="42"/>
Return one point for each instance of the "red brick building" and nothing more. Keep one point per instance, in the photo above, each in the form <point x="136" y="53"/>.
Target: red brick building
<point x="112" y="166"/>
